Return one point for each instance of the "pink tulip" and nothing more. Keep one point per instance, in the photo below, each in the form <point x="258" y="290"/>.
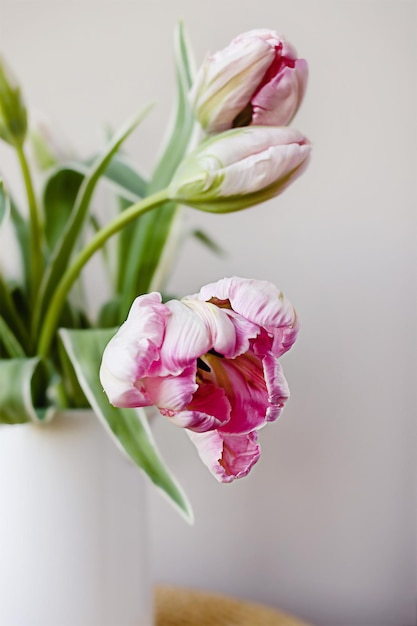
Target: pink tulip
<point x="209" y="363"/>
<point x="257" y="79"/>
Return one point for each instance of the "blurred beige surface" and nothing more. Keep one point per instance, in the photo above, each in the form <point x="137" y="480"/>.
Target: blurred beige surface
<point x="187" y="607"/>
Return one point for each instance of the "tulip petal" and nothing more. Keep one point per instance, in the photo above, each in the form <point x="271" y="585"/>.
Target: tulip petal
<point x="193" y="420"/>
<point x="245" y="331"/>
<point x="238" y="144"/>
<point x="243" y="380"/>
<point x="227" y="456"/>
<point x="219" y="326"/>
<point x="131" y="352"/>
<point x="256" y="300"/>
<point x="186" y="338"/>
<point x="276" y="103"/>
<point x="277" y="386"/>
<point x="301" y="68"/>
<point x="136" y="344"/>
<point x="262" y="169"/>
<point x="122" y="392"/>
<point x="284" y="337"/>
<point x="208" y="409"/>
<point x="227" y="80"/>
<point x="171" y="393"/>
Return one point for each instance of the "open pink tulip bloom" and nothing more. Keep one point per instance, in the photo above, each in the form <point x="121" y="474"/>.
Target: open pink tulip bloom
<point x="209" y="363"/>
<point x="257" y="79"/>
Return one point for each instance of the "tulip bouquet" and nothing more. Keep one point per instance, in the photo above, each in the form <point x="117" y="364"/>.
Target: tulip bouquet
<point x="208" y="362"/>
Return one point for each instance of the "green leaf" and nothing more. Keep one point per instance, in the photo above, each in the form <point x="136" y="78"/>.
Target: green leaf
<point x="62" y="186"/>
<point x="130" y="187"/>
<point x="65" y="246"/>
<point x="183" y="120"/>
<point x="22" y="391"/>
<point x="8" y="209"/>
<point x="22" y="231"/>
<point x="69" y="387"/>
<point x="119" y="175"/>
<point x="207" y="241"/>
<point x="124" y="179"/>
<point x="9" y="341"/>
<point x="109" y="313"/>
<point x="59" y="195"/>
<point x="129" y="427"/>
<point x="13" y="316"/>
<point x="4" y="203"/>
<point x="143" y="256"/>
<point x="142" y="248"/>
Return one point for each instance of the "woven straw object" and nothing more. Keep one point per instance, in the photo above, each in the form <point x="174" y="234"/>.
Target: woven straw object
<point x="185" y="607"/>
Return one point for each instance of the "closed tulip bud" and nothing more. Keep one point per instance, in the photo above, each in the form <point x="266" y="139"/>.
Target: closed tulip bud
<point x="256" y="80"/>
<point x="240" y="168"/>
<point x="13" y="116"/>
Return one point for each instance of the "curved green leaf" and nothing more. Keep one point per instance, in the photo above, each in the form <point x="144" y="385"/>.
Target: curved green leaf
<point x="208" y="242"/>
<point x="59" y="195"/>
<point x="68" y="388"/>
<point x="9" y="210"/>
<point x="4" y="203"/>
<point x="109" y="314"/>
<point x="22" y="385"/>
<point x="183" y="120"/>
<point x="13" y="317"/>
<point x="63" y="184"/>
<point x="147" y="243"/>
<point x="139" y="259"/>
<point x="119" y="175"/>
<point x="124" y="179"/>
<point x="22" y="231"/>
<point x="129" y="427"/>
<point x="65" y="246"/>
<point x="9" y="341"/>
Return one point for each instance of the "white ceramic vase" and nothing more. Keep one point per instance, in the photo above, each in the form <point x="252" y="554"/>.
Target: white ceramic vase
<point x="73" y="528"/>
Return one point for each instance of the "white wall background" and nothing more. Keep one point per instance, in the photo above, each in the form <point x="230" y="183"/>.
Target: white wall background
<point x="325" y="524"/>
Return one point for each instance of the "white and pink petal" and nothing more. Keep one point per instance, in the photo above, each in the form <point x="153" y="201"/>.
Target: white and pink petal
<point x="277" y="386"/>
<point x="171" y="393"/>
<point x="227" y="456"/>
<point x="284" y="338"/>
<point x="123" y="392"/>
<point x="221" y="329"/>
<point x="136" y="345"/>
<point x="186" y="338"/>
<point x="257" y="300"/>
<point x="243" y="380"/>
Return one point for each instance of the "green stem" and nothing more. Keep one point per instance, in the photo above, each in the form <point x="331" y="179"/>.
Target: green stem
<point x="67" y="280"/>
<point x="36" y="233"/>
<point x="64" y="248"/>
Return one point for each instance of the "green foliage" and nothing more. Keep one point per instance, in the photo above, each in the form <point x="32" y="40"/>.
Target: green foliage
<point x="4" y="204"/>
<point x="42" y="369"/>
<point x="73" y="226"/>
<point x="142" y="246"/>
<point x="129" y="427"/>
<point x="13" y="116"/>
<point x="23" y="384"/>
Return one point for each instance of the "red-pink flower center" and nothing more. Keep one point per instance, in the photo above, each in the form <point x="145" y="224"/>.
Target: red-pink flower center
<point x="243" y="383"/>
